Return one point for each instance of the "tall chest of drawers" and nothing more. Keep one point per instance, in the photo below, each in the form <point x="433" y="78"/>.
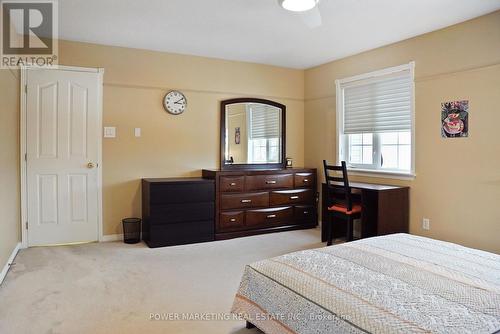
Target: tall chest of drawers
<point x="249" y="202"/>
<point x="177" y="211"/>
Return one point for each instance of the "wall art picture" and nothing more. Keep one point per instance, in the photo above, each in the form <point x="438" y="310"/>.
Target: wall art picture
<point x="237" y="135"/>
<point x="455" y="119"/>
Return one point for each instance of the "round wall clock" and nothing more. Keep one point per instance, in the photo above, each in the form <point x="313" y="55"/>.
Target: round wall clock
<point x="174" y="102"/>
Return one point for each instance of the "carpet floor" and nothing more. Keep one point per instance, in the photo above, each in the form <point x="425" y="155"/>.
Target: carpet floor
<point x="116" y="288"/>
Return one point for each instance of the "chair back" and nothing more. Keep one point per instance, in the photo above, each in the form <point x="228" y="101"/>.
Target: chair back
<point x="337" y="184"/>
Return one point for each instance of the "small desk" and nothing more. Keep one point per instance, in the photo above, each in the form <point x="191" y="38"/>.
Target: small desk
<point x="385" y="210"/>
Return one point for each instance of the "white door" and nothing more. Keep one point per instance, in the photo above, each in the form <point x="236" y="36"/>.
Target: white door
<point x="62" y="144"/>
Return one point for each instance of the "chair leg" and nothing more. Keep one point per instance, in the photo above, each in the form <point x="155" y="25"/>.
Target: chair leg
<point x="350" y="232"/>
<point x="329" y="230"/>
<point x="362" y="226"/>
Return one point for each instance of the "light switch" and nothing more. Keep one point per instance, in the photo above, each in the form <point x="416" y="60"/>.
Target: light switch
<point x="137" y="132"/>
<point x="109" y="132"/>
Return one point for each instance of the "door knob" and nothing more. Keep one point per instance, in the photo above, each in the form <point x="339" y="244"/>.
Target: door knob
<point x="90" y="165"/>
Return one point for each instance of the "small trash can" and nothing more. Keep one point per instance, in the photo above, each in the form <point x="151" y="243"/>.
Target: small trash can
<point x="131" y="230"/>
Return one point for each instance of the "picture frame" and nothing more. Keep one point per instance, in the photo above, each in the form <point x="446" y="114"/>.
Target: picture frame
<point x="455" y="119"/>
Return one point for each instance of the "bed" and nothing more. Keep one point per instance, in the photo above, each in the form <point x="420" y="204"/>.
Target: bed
<point x="398" y="283"/>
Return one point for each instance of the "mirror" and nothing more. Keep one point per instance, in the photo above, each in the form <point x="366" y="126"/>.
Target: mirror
<point x="252" y="134"/>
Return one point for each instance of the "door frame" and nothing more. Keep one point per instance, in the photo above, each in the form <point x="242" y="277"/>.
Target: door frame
<point x="23" y="143"/>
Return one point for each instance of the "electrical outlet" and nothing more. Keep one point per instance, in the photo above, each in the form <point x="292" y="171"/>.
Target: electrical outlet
<point x="426" y="224"/>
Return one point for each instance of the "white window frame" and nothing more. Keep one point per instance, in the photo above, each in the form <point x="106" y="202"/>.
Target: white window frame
<point x="342" y="143"/>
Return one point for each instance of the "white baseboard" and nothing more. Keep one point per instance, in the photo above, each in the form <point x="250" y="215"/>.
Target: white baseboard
<point x="6" y="268"/>
<point x="112" y="237"/>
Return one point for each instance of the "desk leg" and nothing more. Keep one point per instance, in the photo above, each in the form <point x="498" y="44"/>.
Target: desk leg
<point x="329" y="232"/>
<point x="369" y="215"/>
<point x="350" y="228"/>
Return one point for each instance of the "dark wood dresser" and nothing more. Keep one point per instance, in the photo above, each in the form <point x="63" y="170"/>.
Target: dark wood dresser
<point x="249" y="202"/>
<point x="177" y="211"/>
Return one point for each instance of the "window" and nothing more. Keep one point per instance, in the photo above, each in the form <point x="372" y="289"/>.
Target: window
<point x="375" y="121"/>
<point x="264" y="150"/>
<point x="264" y="134"/>
<point x="361" y="149"/>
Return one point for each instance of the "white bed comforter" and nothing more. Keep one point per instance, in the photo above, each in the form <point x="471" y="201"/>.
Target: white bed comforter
<point x="398" y="283"/>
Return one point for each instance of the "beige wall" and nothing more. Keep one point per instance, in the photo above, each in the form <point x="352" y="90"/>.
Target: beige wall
<point x="9" y="164"/>
<point x="458" y="180"/>
<point x="135" y="82"/>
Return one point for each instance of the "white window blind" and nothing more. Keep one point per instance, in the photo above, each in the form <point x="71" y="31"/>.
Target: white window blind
<point x="380" y="104"/>
<point x="265" y="121"/>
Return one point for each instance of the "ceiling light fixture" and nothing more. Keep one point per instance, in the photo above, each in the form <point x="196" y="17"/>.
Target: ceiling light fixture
<point x="298" y="5"/>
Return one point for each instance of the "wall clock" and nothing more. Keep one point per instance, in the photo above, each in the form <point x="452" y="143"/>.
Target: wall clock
<point x="174" y="102"/>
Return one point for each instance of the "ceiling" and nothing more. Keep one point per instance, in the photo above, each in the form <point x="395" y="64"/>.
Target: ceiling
<point x="260" y="31"/>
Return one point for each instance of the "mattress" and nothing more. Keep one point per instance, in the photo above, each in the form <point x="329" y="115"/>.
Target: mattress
<point x="398" y="283"/>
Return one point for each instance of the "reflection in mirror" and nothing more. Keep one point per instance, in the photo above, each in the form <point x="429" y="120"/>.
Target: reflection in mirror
<point x="253" y="133"/>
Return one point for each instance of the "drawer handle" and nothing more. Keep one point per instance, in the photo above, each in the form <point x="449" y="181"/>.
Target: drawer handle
<point x="306" y="180"/>
<point x="271" y="216"/>
<point x="246" y="201"/>
<point x="271" y="182"/>
<point x="232" y="184"/>
<point x="294" y="197"/>
<point x="232" y="220"/>
<point x="306" y="212"/>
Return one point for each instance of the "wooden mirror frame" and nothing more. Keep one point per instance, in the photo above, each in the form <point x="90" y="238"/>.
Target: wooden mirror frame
<point x="226" y="166"/>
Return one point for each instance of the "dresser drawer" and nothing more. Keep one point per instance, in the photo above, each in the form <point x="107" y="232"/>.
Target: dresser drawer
<point x="231" y="220"/>
<point x="182" y="193"/>
<point x="297" y="196"/>
<point x="175" y="213"/>
<point x="179" y="233"/>
<point x="304" y="212"/>
<point x="241" y="201"/>
<point x="231" y="183"/>
<point x="304" y="180"/>
<point x="276" y="181"/>
<point x="268" y="216"/>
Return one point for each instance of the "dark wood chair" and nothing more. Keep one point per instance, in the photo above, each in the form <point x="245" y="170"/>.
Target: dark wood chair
<point x="340" y="201"/>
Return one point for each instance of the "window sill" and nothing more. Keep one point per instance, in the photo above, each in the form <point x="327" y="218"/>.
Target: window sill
<point x="381" y="174"/>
